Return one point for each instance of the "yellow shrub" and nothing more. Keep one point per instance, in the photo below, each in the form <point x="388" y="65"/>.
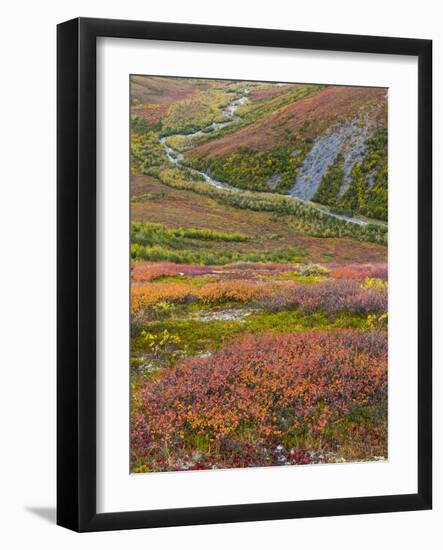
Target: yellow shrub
<point x="372" y="283"/>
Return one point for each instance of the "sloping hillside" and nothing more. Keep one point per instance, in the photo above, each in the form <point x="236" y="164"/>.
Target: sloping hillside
<point x="152" y="96"/>
<point x="305" y="119"/>
<point x="318" y="143"/>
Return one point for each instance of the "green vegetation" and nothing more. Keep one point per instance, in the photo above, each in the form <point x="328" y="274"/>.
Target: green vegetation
<point x="154" y="233"/>
<point x="313" y="270"/>
<point x="195" y="112"/>
<point x="160" y="254"/>
<point x="203" y="256"/>
<point x="191" y="336"/>
<point x="155" y="242"/>
<point x="367" y="194"/>
<point x="308" y="219"/>
<point x="374" y="283"/>
<point x="147" y="154"/>
<point x="139" y="125"/>
<point x="254" y="170"/>
<point x="329" y="188"/>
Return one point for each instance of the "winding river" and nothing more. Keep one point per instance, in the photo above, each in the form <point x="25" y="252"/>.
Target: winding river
<point x="176" y="158"/>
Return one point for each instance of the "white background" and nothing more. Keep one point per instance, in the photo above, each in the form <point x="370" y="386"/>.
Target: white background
<point x="116" y="489"/>
<point x="27" y="299"/>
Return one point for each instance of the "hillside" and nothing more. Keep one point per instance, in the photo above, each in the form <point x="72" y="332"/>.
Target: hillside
<point x="319" y="144"/>
<point x="305" y="119"/>
<point x="330" y="147"/>
<point x="152" y="97"/>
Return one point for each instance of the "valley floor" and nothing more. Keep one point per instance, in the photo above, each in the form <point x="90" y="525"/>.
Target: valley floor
<point x="154" y="202"/>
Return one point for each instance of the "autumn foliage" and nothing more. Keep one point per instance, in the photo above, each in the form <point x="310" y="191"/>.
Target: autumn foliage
<point x="330" y="296"/>
<point x="360" y="271"/>
<point x="144" y="296"/>
<point x="258" y="318"/>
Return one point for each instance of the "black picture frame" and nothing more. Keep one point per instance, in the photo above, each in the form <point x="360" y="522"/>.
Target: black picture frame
<point x="76" y="265"/>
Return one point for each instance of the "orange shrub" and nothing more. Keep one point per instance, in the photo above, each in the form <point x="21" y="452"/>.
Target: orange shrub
<point x="224" y="291"/>
<point x="144" y="296"/>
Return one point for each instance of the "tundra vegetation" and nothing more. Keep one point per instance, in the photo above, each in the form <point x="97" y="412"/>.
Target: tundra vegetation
<point x="258" y="320"/>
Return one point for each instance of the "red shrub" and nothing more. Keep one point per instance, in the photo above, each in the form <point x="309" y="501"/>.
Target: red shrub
<point x="149" y="271"/>
<point x="261" y="389"/>
<point x="360" y="271"/>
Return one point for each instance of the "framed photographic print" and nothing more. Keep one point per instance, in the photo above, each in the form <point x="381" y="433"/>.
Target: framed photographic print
<point x="244" y="274"/>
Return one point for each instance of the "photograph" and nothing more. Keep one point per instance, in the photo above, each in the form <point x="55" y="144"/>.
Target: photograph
<point x="259" y="274"/>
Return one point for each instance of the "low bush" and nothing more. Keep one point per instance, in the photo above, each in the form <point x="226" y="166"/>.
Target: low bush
<point x="313" y="270"/>
<point x="145" y="296"/>
<point x="359" y="271"/>
<point x="155" y="233"/>
<point x="216" y="256"/>
<point x="373" y="283"/>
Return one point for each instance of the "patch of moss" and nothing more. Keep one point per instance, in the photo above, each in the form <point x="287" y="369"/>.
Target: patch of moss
<point x="198" y="336"/>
